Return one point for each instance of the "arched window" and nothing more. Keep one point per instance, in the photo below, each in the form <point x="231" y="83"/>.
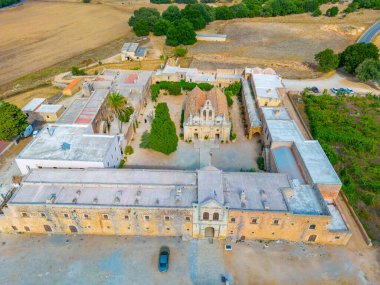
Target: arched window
<point x="204" y="115"/>
<point x="210" y="115"/>
<point x="206" y="216"/>
<point x="73" y="229"/>
<point x="47" y="228"/>
<point x="215" y="216"/>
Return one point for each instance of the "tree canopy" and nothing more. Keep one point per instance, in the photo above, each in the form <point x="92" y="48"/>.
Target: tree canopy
<point x="355" y="54"/>
<point x="181" y="33"/>
<point x="327" y="60"/>
<point x="332" y="12"/>
<point x="172" y="13"/>
<point x="12" y="121"/>
<point x="368" y="70"/>
<point x="149" y="15"/>
<point x="161" y="27"/>
<point x="163" y="137"/>
<point x="5" y="3"/>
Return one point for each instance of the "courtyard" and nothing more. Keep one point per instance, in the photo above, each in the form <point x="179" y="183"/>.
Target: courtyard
<point x="133" y="260"/>
<point x="233" y="156"/>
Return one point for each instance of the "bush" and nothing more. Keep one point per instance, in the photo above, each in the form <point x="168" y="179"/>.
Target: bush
<point x="233" y="136"/>
<point x="86" y="1"/>
<point x="235" y="88"/>
<point x="160" y="1"/>
<point x="228" y="95"/>
<point x="180" y="51"/>
<point x="332" y="12"/>
<point x="121" y="164"/>
<point x="128" y="150"/>
<point x="327" y="60"/>
<point x="145" y="140"/>
<point x="12" y="121"/>
<point x="76" y="71"/>
<point x="260" y="163"/>
<point x="5" y="3"/>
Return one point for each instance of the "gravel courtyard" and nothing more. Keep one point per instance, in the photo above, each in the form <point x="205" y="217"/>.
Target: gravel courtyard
<point x="59" y="259"/>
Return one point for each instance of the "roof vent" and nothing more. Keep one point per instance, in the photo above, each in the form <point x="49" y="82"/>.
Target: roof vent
<point x="178" y="194"/>
<point x="51" y="199"/>
<point x="157" y="202"/>
<point x="95" y="200"/>
<point x="65" y="146"/>
<point x="265" y="205"/>
<point x="75" y="200"/>
<point x="117" y="198"/>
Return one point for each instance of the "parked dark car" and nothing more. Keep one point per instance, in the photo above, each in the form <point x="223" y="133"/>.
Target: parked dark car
<point x="315" y="89"/>
<point x="163" y="259"/>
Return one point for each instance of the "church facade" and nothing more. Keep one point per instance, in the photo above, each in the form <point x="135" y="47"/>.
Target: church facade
<point x="206" y="116"/>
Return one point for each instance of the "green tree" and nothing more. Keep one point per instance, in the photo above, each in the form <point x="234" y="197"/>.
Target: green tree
<point x="355" y="54"/>
<point x="163" y="137"/>
<point x="327" y="60"/>
<point x="117" y="105"/>
<point x="181" y="32"/>
<point x="149" y="15"/>
<point x="141" y="28"/>
<point x="332" y="12"/>
<point x="161" y="27"/>
<point x="194" y="16"/>
<point x="172" y="14"/>
<point x="317" y="12"/>
<point x="228" y="95"/>
<point x="76" y="71"/>
<point x="223" y="13"/>
<point x="160" y="1"/>
<point x="125" y="116"/>
<point x="180" y="51"/>
<point x="368" y="70"/>
<point x="12" y="121"/>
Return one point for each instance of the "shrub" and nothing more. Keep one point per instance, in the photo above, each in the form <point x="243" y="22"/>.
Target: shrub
<point x="76" y="71"/>
<point x="317" y="12"/>
<point x="233" y="136"/>
<point x="368" y="70"/>
<point x="121" y="164"/>
<point x="228" y="95"/>
<point x="180" y="51"/>
<point x="160" y="1"/>
<point x="327" y="60"/>
<point x="86" y="1"/>
<point x="355" y="54"/>
<point x="145" y="140"/>
<point x="128" y="150"/>
<point x="332" y="12"/>
<point x="260" y="163"/>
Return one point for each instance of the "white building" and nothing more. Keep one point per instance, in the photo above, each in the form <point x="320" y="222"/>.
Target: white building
<point x="70" y="146"/>
<point x="132" y="51"/>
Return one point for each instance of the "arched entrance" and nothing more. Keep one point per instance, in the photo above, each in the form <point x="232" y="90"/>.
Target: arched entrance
<point x="312" y="238"/>
<point x="209" y="232"/>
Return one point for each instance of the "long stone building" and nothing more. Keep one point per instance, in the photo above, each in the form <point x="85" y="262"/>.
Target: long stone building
<point x="206" y="116"/>
<point x="192" y="204"/>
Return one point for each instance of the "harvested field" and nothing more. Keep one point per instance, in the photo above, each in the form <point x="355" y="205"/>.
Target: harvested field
<point x="22" y="99"/>
<point x="284" y="43"/>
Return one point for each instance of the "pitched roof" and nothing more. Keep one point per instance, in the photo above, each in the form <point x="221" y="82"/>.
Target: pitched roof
<point x="196" y="99"/>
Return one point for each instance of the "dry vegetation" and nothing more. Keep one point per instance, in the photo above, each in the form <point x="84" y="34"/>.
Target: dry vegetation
<point x="285" y="43"/>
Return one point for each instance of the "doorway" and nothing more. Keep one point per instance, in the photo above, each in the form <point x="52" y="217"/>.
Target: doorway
<point x="312" y="238"/>
<point x="73" y="229"/>
<point x="209" y="232"/>
<point x="195" y="136"/>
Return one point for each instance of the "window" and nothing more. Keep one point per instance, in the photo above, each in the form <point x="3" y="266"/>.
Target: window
<point x="168" y="229"/>
<point x="126" y="217"/>
<point x="254" y="220"/>
<point x="25" y="215"/>
<point x="86" y="216"/>
<point x="105" y="216"/>
<point x="312" y="227"/>
<point x="14" y="228"/>
<point x="73" y="229"/>
<point x="47" y="228"/>
<point x="215" y="216"/>
<point x="27" y="229"/>
<point x="167" y="218"/>
<point x="231" y="232"/>
<point x="312" y="238"/>
<point x="42" y="215"/>
<point x="232" y="220"/>
<point x="206" y="215"/>
<point x="187" y="219"/>
<point x="66" y="216"/>
<point x="276" y="222"/>
<point x="337" y="237"/>
<point x="146" y="218"/>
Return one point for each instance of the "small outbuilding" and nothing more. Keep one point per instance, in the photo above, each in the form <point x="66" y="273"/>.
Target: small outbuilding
<point x="49" y="113"/>
<point x="211" y="37"/>
<point x="133" y="51"/>
<point x="73" y="87"/>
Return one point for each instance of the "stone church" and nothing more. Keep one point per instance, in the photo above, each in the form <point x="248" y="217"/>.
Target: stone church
<point x="206" y="116"/>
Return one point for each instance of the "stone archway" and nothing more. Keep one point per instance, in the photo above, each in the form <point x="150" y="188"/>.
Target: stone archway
<point x="209" y="232"/>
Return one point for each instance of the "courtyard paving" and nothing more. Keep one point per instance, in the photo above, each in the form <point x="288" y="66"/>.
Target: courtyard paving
<point x="60" y="259"/>
<point x="241" y="154"/>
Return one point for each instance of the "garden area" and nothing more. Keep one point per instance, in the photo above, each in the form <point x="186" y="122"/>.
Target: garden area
<point x="349" y="131"/>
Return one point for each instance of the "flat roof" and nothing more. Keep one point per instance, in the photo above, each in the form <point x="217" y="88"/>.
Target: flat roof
<point x="266" y="85"/>
<point x="91" y="109"/>
<point x="46" y="108"/>
<point x="317" y="164"/>
<point x="33" y="104"/>
<point x="337" y="223"/>
<point x="84" y="146"/>
<point x="210" y="185"/>
<point x="141" y="51"/>
<point x="212" y="35"/>
<point x="129" y="47"/>
<point x="73" y="111"/>
<point x="304" y="200"/>
<point x="271" y="113"/>
<point x="284" y="131"/>
<point x="263" y="190"/>
<point x="253" y="115"/>
<point x="286" y="163"/>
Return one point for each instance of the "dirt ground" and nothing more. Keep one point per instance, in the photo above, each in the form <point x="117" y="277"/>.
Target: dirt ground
<point x="284" y="43"/>
<point x="22" y="99"/>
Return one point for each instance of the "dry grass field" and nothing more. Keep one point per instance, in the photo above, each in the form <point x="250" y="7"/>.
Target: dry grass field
<point x="285" y="43"/>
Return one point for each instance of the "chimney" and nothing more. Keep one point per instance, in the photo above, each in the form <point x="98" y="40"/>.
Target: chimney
<point x="95" y="201"/>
